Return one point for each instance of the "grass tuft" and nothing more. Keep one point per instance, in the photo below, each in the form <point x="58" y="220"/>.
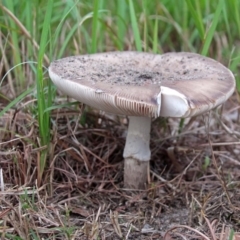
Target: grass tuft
<point x="44" y="99"/>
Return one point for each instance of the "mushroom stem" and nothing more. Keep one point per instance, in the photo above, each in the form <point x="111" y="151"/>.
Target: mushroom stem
<point x="137" y="153"/>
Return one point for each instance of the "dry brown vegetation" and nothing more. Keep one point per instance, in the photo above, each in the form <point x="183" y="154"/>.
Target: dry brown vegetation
<point x="193" y="190"/>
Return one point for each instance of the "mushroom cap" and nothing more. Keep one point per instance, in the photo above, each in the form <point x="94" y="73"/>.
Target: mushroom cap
<point x="144" y="84"/>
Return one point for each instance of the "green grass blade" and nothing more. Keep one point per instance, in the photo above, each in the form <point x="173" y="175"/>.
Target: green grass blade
<point x="145" y="25"/>
<point x="43" y="117"/>
<point x="197" y="19"/>
<point x="135" y="29"/>
<point x="67" y="40"/>
<point x="61" y="106"/>
<point x="236" y="14"/>
<point x="17" y="100"/>
<point x="211" y="31"/>
<point x="29" y="26"/>
<point x="95" y="26"/>
<point x="58" y="29"/>
<point x="121" y="26"/>
<point x="231" y="235"/>
<point x="155" y="36"/>
<point x="14" y="35"/>
<point x="226" y="21"/>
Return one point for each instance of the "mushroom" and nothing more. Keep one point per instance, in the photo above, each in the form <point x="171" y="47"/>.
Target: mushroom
<point x="143" y="86"/>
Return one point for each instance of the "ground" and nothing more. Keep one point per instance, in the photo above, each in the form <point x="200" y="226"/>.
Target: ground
<point x="193" y="190"/>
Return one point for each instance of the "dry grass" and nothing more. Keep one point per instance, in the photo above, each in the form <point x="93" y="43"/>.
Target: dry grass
<point x="193" y="190"/>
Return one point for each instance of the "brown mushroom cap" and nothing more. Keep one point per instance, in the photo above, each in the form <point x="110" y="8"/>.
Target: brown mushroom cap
<point x="144" y="84"/>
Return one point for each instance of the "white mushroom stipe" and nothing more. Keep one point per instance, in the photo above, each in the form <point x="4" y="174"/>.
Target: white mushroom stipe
<point x="138" y="137"/>
<point x="137" y="152"/>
